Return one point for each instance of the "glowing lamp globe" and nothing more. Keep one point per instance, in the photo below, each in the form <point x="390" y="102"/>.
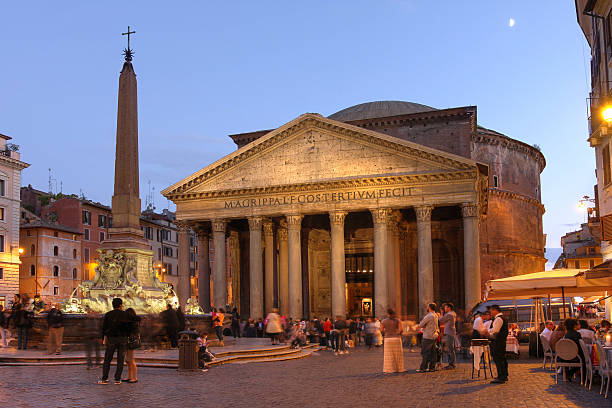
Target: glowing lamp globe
<point x="607" y="113"/>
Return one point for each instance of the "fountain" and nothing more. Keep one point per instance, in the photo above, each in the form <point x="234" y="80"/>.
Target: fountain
<point x="116" y="277"/>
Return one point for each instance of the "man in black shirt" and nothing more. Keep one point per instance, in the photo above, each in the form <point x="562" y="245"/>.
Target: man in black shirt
<point x="115" y="337"/>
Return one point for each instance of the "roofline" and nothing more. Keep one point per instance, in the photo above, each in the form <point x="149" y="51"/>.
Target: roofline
<point x="59" y="227"/>
<point x="5" y="137"/>
<point x="314" y="116"/>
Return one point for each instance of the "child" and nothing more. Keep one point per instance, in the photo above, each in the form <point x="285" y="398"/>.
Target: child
<point x="204" y="355"/>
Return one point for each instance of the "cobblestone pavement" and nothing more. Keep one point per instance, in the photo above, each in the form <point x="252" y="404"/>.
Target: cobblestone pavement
<point x="322" y="380"/>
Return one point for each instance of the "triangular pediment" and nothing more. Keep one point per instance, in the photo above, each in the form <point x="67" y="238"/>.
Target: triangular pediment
<point x="314" y="149"/>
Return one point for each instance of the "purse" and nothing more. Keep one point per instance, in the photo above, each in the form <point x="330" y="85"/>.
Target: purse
<point x="133" y="342"/>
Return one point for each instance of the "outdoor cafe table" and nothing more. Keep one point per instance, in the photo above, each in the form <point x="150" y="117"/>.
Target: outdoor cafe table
<point x="512" y="345"/>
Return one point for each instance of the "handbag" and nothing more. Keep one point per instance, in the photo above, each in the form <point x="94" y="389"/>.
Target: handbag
<point x="133" y="341"/>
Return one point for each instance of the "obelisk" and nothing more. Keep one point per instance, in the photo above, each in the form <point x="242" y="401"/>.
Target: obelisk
<point x="125" y="233"/>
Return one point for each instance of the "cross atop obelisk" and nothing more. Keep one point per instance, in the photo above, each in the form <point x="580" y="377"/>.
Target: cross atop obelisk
<point x="128" y="51"/>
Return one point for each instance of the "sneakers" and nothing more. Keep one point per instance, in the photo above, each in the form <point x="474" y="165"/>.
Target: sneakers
<point x="335" y="353"/>
<point x="102" y="382"/>
<point x="117" y="382"/>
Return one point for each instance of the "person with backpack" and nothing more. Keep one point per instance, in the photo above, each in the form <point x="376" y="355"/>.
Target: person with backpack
<point x="431" y="329"/>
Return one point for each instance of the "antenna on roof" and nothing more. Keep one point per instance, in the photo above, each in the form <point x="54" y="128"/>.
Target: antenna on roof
<point x="50" y="182"/>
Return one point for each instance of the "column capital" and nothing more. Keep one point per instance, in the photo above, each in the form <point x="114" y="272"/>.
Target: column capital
<point x="282" y="234"/>
<point x="470" y="210"/>
<point x="268" y="226"/>
<point x="423" y="213"/>
<point x="294" y="221"/>
<point x="182" y="226"/>
<point x="219" y="225"/>
<point x="380" y="215"/>
<point x="255" y="223"/>
<point x="337" y="217"/>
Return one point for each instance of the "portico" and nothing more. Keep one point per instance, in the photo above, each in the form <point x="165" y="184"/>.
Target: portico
<point x="335" y="220"/>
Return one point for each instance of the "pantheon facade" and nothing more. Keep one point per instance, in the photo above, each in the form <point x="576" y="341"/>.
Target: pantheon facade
<point x="383" y="204"/>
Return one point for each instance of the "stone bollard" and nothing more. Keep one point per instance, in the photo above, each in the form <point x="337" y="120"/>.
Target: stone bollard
<point x="188" y="351"/>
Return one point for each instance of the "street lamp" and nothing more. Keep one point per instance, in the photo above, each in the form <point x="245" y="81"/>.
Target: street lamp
<point x="20" y="251"/>
<point x="606" y="113"/>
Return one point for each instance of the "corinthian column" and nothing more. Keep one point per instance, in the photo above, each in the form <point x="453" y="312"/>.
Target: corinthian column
<point x="219" y="278"/>
<point x="269" y="265"/>
<point x="393" y="255"/>
<point x="255" y="267"/>
<point x="283" y="270"/>
<point x="381" y="288"/>
<point x="425" y="263"/>
<point x="338" y="274"/>
<point x="183" y="291"/>
<point x="294" y="226"/>
<point x="471" y="254"/>
<point x="203" y="232"/>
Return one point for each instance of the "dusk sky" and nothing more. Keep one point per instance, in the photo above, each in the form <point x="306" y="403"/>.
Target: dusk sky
<point x="209" y="69"/>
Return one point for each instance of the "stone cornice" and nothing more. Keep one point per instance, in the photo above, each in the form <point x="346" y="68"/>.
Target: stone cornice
<point x="420" y="117"/>
<point x="516" y="196"/>
<point x="490" y="137"/>
<point x="311" y="121"/>
<point x="14" y="163"/>
<point x="330" y="185"/>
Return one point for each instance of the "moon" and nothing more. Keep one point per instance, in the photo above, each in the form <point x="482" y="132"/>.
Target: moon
<point x="511" y="22"/>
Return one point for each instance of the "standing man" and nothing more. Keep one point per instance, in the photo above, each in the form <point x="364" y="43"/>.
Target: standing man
<point x="170" y="319"/>
<point x="429" y="326"/>
<point x="115" y="333"/>
<point x="55" y="319"/>
<point x="498" y="333"/>
<point x="448" y="320"/>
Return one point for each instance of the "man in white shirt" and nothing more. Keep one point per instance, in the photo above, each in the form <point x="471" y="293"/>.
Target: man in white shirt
<point x="486" y="318"/>
<point x="478" y="326"/>
<point x="547" y="332"/>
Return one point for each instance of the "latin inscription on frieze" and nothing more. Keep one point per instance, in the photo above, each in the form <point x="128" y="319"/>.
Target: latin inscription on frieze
<point x="314" y="198"/>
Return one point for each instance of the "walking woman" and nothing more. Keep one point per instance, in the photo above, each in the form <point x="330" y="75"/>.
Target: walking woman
<point x="273" y="326"/>
<point x="133" y="344"/>
<point x="391" y="328"/>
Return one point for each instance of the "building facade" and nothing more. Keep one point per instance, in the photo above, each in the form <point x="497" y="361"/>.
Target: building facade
<point x="51" y="260"/>
<point x="595" y="20"/>
<point x="581" y="249"/>
<point x="91" y="219"/>
<point x="10" y="205"/>
<point x="383" y="204"/>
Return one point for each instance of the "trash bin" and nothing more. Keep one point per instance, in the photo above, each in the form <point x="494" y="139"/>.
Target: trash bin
<point x="188" y="351"/>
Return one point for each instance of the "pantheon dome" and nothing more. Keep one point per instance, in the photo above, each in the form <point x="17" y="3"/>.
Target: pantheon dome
<point x="379" y="109"/>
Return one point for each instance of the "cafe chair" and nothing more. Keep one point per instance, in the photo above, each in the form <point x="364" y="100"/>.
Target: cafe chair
<point x="567" y="350"/>
<point x="548" y="352"/>
<point x="588" y="363"/>
<point x="604" y="368"/>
